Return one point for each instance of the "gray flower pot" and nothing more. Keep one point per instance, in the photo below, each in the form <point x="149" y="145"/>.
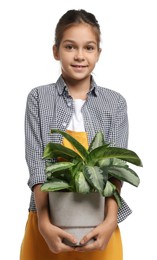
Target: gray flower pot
<point x="76" y="213"/>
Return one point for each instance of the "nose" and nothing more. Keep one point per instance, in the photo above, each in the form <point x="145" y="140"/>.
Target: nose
<point x="79" y="55"/>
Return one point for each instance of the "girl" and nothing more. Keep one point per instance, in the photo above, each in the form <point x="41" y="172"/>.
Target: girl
<point x="75" y="103"/>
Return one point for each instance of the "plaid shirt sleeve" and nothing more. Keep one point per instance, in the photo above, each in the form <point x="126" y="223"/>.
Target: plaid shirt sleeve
<point x="33" y="141"/>
<point x="119" y="130"/>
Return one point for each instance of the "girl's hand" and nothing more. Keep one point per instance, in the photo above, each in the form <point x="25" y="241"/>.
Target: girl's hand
<point x="102" y="234"/>
<point x="54" y="237"/>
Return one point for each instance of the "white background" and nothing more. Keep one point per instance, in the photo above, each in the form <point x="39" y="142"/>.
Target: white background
<point x="128" y="64"/>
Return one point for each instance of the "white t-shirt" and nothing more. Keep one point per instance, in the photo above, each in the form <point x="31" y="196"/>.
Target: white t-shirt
<point x="76" y="123"/>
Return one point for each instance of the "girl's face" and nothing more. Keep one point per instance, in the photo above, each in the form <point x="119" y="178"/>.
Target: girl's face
<point x="78" y="52"/>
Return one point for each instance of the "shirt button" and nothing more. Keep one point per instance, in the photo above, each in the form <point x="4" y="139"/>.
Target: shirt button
<point x="64" y="124"/>
<point x="69" y="104"/>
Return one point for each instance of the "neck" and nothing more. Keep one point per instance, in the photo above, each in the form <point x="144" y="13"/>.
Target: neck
<point x="78" y="89"/>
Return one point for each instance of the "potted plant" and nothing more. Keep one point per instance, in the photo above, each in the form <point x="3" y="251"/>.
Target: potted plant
<point x="84" y="174"/>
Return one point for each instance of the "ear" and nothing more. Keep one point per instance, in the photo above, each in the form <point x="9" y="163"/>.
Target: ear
<point x="55" y="52"/>
<point x="99" y="52"/>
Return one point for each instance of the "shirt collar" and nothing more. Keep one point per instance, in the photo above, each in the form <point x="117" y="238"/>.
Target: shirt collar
<point x="61" y="86"/>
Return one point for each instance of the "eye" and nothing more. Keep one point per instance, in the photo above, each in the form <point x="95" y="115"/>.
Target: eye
<point x="90" y="48"/>
<point x="69" y="47"/>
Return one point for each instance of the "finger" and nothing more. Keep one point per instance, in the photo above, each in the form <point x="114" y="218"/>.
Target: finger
<point x="66" y="248"/>
<point x="89" y="247"/>
<point x="91" y="235"/>
<point x="69" y="237"/>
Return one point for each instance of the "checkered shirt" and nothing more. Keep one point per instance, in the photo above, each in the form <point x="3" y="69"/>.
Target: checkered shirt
<point x="50" y="106"/>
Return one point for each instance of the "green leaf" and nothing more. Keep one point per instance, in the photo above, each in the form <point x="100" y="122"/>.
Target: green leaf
<point x="77" y="167"/>
<point x="61" y="175"/>
<point x="97" y="141"/>
<point x="59" y="166"/>
<point x="48" y="162"/>
<point x="94" y="175"/>
<point x="118" y="198"/>
<point x="81" y="184"/>
<point x="105" y="174"/>
<point x="118" y="162"/>
<point x="55" y="185"/>
<point x="53" y="150"/>
<point x="80" y="148"/>
<point x="124" y="174"/>
<point x="104" y="162"/>
<point x="115" y="152"/>
<point x="109" y="189"/>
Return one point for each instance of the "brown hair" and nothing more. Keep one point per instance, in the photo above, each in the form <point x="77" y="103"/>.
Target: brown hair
<point x="72" y="17"/>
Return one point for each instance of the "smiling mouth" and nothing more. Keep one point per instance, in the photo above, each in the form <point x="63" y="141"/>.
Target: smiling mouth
<point x="79" y="66"/>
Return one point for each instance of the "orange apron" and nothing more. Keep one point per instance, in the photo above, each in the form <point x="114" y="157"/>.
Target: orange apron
<point x="34" y="246"/>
